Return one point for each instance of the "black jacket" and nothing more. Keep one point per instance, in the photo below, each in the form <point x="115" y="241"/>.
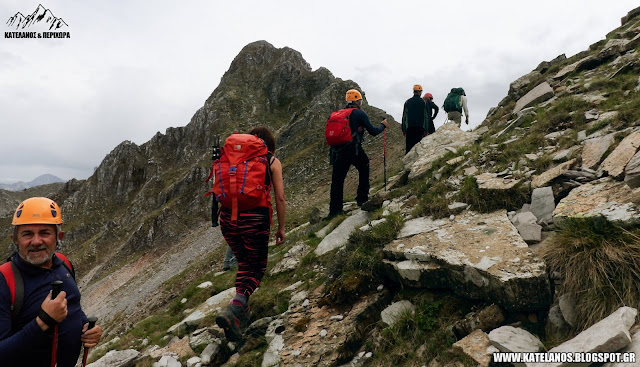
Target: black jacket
<point x="416" y="113"/>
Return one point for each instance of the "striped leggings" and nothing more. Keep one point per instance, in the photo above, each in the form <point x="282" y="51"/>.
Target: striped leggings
<point x="248" y="238"/>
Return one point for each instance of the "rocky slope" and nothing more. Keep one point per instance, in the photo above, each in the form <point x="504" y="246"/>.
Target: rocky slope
<point x="467" y="227"/>
<point x="477" y="217"/>
<point x="145" y="204"/>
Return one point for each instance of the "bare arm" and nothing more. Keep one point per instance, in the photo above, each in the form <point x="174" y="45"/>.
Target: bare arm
<point x="278" y="188"/>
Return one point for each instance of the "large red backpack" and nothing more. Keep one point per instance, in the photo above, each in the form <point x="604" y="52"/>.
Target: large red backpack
<point x="337" y="130"/>
<point x="240" y="174"/>
<point x="13" y="278"/>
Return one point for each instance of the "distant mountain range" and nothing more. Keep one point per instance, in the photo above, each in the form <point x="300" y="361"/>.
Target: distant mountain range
<point x="40" y="180"/>
<point x="41" y="14"/>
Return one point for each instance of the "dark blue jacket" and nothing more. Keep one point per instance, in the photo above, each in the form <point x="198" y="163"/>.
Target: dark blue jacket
<point x="28" y="345"/>
<point x="359" y="121"/>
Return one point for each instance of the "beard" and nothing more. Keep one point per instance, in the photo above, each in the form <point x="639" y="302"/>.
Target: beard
<point x="37" y="255"/>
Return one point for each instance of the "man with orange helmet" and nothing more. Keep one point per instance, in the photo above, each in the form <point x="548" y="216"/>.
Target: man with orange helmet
<point x="416" y="118"/>
<point x="343" y="156"/>
<point x="26" y="337"/>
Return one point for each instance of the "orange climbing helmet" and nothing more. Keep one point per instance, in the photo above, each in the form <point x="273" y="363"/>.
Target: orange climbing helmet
<point x="353" y="95"/>
<point x="37" y="210"/>
<point x="417" y="88"/>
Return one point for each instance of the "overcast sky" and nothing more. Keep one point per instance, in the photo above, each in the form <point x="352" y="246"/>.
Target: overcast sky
<point x="133" y="68"/>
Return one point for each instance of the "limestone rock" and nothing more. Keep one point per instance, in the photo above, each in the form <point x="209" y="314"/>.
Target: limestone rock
<point x="511" y="339"/>
<point x="612" y="48"/>
<point x="477" y="346"/>
<point x="562" y="155"/>
<point x="212" y="305"/>
<point x="339" y="237"/>
<point x="490" y="182"/>
<point x="612" y="199"/>
<point x="486" y="319"/>
<point x="594" y="149"/>
<point x="420" y="225"/>
<point x="567" y="304"/>
<point x="326" y="337"/>
<point x="516" y="88"/>
<point x="200" y="337"/>
<point x="540" y="93"/>
<point x="545" y="178"/>
<point x="530" y="232"/>
<point x="630" y="15"/>
<point x="479" y="256"/>
<point x="292" y="258"/>
<point x="391" y="314"/>
<point x="633" y="347"/>
<point x="115" y="358"/>
<point x="616" y="161"/>
<point x="632" y="172"/>
<point x="608" y="335"/>
<point x="542" y="204"/>
<point x="556" y="324"/>
<point x="430" y="148"/>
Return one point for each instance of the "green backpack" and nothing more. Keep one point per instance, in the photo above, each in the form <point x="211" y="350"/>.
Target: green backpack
<point x="452" y="102"/>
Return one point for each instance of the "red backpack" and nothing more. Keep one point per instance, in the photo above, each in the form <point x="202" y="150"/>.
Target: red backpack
<point x="241" y="173"/>
<point x="337" y="130"/>
<point x="14" y="281"/>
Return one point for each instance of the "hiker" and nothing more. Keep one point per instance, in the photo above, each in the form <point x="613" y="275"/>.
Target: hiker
<point x="454" y="104"/>
<point x="416" y="119"/>
<point x="351" y="153"/>
<point x="26" y="338"/>
<point x="428" y="99"/>
<point x="248" y="234"/>
<point x="229" y="259"/>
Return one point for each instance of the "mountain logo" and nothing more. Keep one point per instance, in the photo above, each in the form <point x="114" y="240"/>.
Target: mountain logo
<point x="41" y="14"/>
<point x="40" y="18"/>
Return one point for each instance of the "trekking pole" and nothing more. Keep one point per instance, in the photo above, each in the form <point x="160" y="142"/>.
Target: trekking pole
<point x="56" y="287"/>
<point x="384" y="154"/>
<point x="92" y="323"/>
<point x="215" y="155"/>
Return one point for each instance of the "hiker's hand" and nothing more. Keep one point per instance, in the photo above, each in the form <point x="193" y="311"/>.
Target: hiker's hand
<point x="404" y="134"/>
<point x="385" y="123"/>
<point x="91" y="337"/>
<point x="425" y="134"/>
<point x="56" y="308"/>
<point x="280" y="236"/>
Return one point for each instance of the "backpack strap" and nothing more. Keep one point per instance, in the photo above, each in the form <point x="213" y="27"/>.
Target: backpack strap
<point x="13" y="277"/>
<point x="267" y="177"/>
<point x="14" y="281"/>
<point x="67" y="264"/>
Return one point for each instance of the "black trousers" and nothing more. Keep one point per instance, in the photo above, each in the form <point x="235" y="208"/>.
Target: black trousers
<point x="413" y="136"/>
<point x="341" y="165"/>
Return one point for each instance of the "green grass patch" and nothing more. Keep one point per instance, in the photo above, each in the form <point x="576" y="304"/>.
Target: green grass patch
<point x="598" y="125"/>
<point x="424" y="335"/>
<point x="253" y="357"/>
<point x="600" y="262"/>
<point x="358" y="268"/>
<point x="432" y="198"/>
<point x="486" y="201"/>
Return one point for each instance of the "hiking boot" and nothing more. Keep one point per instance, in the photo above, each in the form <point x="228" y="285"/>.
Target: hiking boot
<point x="372" y="204"/>
<point x="333" y="215"/>
<point x="233" y="320"/>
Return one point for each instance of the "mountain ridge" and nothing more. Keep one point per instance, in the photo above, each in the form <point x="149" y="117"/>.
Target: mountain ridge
<point x="40" y="180"/>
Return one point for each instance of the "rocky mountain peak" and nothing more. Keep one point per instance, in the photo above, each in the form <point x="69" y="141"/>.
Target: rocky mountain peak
<point x="462" y="222"/>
